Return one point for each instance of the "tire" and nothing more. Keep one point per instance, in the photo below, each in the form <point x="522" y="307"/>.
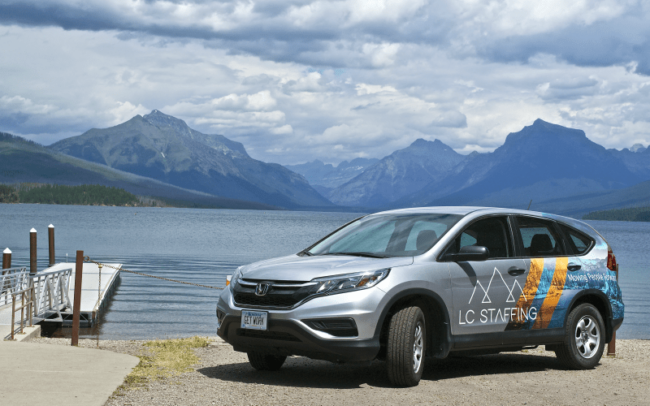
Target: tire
<point x="406" y="347"/>
<point x="584" y="340"/>
<point x="265" y="362"/>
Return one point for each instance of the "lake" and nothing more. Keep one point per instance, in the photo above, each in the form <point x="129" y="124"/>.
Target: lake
<point x="203" y="246"/>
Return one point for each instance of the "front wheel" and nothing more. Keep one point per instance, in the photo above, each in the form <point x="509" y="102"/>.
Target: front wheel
<point x="406" y="347"/>
<point x="584" y="342"/>
<point x="265" y="362"/>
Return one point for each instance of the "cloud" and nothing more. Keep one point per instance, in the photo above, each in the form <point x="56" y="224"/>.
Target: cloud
<point x="261" y="101"/>
<point x="568" y="88"/>
<point x="296" y="80"/>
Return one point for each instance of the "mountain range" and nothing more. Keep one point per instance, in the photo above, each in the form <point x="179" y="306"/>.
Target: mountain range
<point x="541" y="162"/>
<point x="326" y="177"/>
<point x="25" y="161"/>
<point x="558" y="168"/>
<point x="400" y="174"/>
<point x="164" y="148"/>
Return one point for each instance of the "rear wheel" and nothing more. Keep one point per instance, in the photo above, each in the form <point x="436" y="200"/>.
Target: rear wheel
<point x="406" y="347"/>
<point x="265" y="362"/>
<point x="584" y="342"/>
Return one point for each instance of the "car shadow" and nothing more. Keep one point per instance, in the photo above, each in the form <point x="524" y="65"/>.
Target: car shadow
<point x="303" y="372"/>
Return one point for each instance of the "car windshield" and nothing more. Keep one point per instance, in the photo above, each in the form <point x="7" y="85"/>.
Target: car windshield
<point x="382" y="236"/>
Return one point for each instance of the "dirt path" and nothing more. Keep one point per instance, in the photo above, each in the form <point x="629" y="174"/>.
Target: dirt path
<point x="224" y="377"/>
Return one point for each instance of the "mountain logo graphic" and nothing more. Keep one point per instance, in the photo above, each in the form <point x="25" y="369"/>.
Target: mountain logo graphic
<point x="486" y="296"/>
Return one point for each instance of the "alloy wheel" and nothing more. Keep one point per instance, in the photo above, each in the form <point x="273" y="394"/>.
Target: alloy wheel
<point x="418" y="347"/>
<point x="587" y="337"/>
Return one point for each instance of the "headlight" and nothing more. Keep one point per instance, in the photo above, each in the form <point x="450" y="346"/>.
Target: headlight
<point x="231" y="280"/>
<point x="346" y="283"/>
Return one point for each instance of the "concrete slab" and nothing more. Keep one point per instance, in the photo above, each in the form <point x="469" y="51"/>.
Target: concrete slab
<point x="33" y="374"/>
<point x="30" y="332"/>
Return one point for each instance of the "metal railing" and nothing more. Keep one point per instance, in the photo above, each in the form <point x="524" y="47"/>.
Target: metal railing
<point x="51" y="291"/>
<point x="12" y="280"/>
<point x="26" y="302"/>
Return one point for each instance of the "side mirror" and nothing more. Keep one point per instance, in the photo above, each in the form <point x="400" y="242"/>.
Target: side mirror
<point x="470" y="253"/>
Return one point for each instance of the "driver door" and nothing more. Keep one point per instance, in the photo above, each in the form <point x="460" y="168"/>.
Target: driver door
<point x="485" y="292"/>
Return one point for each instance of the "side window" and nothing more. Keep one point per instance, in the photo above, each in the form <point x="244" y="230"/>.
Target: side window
<point x="492" y="233"/>
<point x="539" y="238"/>
<point x="577" y="241"/>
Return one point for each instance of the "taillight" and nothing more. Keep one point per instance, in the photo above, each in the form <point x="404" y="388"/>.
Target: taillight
<point x="611" y="260"/>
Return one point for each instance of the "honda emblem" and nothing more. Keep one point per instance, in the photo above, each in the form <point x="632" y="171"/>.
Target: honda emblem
<point x="262" y="288"/>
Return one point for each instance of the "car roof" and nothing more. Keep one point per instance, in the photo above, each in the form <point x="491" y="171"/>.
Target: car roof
<point x="477" y="211"/>
<point x="465" y="210"/>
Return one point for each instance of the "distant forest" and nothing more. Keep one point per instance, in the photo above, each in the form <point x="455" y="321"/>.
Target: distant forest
<point x="94" y="195"/>
<point x="631" y="214"/>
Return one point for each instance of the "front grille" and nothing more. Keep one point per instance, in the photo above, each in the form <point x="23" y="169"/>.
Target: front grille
<point x="268" y="300"/>
<point x="267" y="335"/>
<point x="281" y="294"/>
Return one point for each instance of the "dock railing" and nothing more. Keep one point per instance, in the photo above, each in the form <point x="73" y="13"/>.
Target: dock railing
<point x="51" y="291"/>
<point x="26" y="310"/>
<point x="12" y="280"/>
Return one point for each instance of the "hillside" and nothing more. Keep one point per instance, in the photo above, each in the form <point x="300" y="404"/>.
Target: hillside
<point x="23" y="161"/>
<point x="629" y="214"/>
<point x="165" y="148"/>
<point x="87" y="195"/>
<point x="634" y="196"/>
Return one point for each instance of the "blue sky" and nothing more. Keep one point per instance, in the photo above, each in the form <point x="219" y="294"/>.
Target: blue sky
<point x="296" y="80"/>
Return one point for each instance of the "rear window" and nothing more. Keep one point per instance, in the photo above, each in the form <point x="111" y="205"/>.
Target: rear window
<point x="578" y="242"/>
<point x="540" y="238"/>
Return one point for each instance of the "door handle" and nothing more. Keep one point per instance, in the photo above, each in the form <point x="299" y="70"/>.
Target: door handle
<point x="514" y="271"/>
<point x="574" y="267"/>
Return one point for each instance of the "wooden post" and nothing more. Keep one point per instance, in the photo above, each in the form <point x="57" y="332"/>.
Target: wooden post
<point x="50" y="232"/>
<point x="33" y="266"/>
<point x="76" y="306"/>
<point x="6" y="259"/>
<point x="611" y="346"/>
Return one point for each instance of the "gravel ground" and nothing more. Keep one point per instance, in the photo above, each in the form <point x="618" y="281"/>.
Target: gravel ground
<point x="523" y="378"/>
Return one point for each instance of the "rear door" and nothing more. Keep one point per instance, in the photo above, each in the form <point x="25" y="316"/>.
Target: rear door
<point x="542" y="243"/>
<point x="485" y="292"/>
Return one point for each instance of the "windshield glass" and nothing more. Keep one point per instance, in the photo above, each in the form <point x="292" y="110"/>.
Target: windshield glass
<point x="387" y="236"/>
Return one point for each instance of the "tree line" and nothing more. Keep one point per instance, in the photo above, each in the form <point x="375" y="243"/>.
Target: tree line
<point x="629" y="214"/>
<point x="95" y="195"/>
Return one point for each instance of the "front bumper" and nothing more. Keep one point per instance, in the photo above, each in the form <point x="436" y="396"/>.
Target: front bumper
<point x="287" y="334"/>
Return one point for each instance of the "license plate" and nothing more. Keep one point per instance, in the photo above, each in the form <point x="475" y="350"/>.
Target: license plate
<point x="254" y="320"/>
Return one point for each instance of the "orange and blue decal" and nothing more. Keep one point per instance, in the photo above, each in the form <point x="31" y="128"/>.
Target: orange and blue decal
<point x="541" y="294"/>
<point x="555" y="290"/>
<point x="550" y="288"/>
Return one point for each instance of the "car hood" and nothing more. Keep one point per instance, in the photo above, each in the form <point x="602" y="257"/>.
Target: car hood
<point x="295" y="268"/>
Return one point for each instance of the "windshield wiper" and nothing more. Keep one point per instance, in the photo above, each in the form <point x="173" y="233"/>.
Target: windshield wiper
<point x="358" y="254"/>
<point x="305" y="253"/>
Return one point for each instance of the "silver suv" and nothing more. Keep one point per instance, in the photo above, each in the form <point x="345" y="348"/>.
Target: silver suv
<point x="401" y="285"/>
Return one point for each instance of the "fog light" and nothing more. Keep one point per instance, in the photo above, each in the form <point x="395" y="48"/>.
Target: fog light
<point x="220" y="316"/>
<point x="343" y="327"/>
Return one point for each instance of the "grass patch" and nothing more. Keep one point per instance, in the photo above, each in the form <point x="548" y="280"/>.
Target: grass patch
<point x="165" y="358"/>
